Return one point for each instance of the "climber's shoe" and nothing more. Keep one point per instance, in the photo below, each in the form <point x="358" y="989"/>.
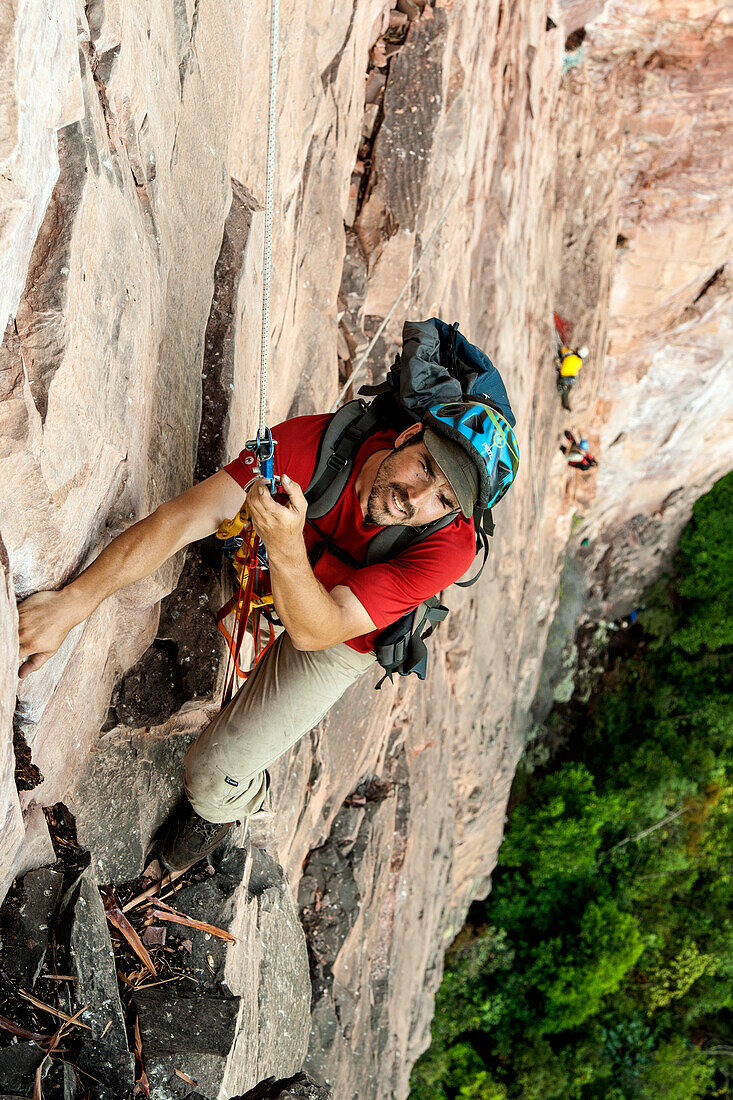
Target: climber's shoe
<point x="187" y="838"/>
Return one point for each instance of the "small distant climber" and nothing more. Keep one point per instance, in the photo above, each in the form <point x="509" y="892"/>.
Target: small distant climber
<point x="568" y="364"/>
<point x="577" y="452"/>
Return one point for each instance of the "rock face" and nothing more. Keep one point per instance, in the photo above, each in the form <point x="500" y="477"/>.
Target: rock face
<point x="497" y="169"/>
<point x="238" y="1013"/>
<point x="25" y="929"/>
<point x="12" y="824"/>
<point x="298" y="1087"/>
<point x="248" y="1015"/>
<point x="670" y="308"/>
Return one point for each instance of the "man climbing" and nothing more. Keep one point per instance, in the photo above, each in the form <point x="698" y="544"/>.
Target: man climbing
<point x="569" y="362"/>
<point x="332" y="606"/>
<point x="578" y="452"/>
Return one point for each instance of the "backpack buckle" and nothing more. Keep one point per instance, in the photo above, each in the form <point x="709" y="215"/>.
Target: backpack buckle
<point x="336" y="462"/>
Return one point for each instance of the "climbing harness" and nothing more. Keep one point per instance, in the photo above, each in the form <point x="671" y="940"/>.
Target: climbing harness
<point x="241" y="542"/>
<point x="243" y="549"/>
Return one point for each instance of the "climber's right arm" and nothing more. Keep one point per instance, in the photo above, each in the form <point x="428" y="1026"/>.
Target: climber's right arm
<point x="45" y="618"/>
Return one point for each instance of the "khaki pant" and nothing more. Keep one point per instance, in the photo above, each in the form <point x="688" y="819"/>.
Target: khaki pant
<point x="288" y="693"/>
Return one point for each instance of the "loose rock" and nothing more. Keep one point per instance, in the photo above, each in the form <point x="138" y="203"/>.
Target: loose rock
<point x="26" y="920"/>
<point x="105" y="1054"/>
<point x="299" y="1087"/>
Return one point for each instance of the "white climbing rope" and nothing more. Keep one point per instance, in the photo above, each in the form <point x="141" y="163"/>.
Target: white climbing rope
<point x="359" y="366"/>
<point x="269" y="190"/>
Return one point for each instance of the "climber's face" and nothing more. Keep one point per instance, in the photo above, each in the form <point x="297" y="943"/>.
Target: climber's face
<point x="409" y="489"/>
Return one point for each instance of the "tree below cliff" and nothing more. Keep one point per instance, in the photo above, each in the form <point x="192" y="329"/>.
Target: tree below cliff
<point x="601" y="966"/>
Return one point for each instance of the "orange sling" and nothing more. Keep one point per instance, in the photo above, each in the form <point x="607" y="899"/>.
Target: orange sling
<point x="247" y="603"/>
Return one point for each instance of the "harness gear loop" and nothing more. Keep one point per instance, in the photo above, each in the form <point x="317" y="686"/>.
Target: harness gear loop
<point x="247" y="604"/>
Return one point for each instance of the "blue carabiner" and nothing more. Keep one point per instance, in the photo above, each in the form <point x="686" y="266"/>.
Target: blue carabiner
<point x="264" y="447"/>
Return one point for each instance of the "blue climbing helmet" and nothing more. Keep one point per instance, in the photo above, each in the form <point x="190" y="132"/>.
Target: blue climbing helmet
<point x="488" y="439"/>
<point x="584" y="445"/>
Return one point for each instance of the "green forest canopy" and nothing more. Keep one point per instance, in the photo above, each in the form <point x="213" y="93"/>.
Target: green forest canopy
<point x="601" y="965"/>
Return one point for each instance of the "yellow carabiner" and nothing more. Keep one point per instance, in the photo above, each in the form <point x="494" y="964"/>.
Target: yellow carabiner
<point x="230" y="528"/>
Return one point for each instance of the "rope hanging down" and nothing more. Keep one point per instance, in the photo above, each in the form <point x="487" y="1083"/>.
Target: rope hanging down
<point x="248" y="602"/>
<point x="360" y="365"/>
<point x="269" y="202"/>
<point x="240" y="539"/>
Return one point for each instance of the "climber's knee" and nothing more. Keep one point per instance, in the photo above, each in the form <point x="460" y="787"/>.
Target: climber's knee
<point x="219" y="797"/>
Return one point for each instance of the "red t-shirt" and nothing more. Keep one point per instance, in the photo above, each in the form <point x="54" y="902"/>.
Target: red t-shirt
<point x="387" y="590"/>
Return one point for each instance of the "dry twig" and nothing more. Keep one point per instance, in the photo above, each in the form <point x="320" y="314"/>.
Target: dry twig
<point x="185" y="1077"/>
<point x="119" y="921"/>
<point x="142" y="1085"/>
<point x="23" y="1033"/>
<point x="166" y="880"/>
<point x="165" y="981"/>
<point x="166" y="912"/>
<point x="55" y="1011"/>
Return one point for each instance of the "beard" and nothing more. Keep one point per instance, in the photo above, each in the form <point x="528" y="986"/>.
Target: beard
<point x="385" y="490"/>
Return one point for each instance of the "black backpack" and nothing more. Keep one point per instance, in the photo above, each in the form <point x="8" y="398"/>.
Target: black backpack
<point x="437" y="364"/>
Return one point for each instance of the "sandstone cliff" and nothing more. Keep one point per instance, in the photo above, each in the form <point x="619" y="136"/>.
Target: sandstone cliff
<point x="591" y="176"/>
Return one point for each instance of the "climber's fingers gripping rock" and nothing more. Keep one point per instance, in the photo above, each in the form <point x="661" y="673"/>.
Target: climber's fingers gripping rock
<point x="278" y="525"/>
<point x="44" y="620"/>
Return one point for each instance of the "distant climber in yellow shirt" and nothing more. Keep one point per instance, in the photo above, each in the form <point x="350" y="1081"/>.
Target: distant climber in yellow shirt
<point x="569" y="362"/>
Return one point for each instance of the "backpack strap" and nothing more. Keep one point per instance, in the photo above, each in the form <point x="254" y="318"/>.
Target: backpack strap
<point x="344" y="435"/>
<point x="391" y="541"/>
<point x="484" y="523"/>
<point x="328" y="543"/>
<point x="390" y="385"/>
<point x="401" y="647"/>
